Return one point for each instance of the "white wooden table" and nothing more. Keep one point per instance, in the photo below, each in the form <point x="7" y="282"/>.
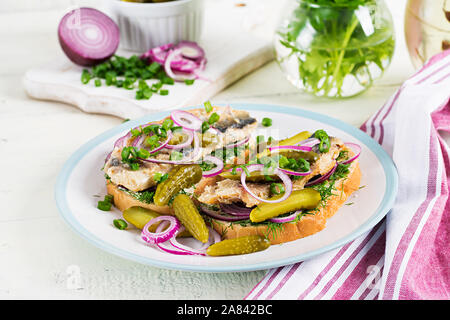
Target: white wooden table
<point x="40" y="257"/>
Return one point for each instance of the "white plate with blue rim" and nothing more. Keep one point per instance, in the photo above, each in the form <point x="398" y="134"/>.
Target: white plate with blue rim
<point x="81" y="183"/>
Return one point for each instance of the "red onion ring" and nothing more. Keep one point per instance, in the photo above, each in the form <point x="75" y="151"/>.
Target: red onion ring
<point x="353" y="146"/>
<point x="190" y="160"/>
<point x="158" y="54"/>
<point x="168" y="67"/>
<point x="166" y="246"/>
<point x="214" y="237"/>
<point x="284" y="178"/>
<point x="288" y="218"/>
<point x="322" y="178"/>
<point x="122" y="141"/>
<point x="296" y="173"/>
<point x="216" y="215"/>
<point x="186" y="120"/>
<point x="311" y="142"/>
<point x="298" y="148"/>
<point x="239" y="143"/>
<point x="235" y="210"/>
<point x="184" y="144"/>
<point x="162" y="236"/>
<point x="214" y="171"/>
<point x="190" y="50"/>
<point x="140" y="140"/>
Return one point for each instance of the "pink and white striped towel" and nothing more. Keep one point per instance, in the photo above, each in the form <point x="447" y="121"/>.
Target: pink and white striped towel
<point x="407" y="255"/>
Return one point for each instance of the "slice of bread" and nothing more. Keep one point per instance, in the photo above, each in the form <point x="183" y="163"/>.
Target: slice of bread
<point x="123" y="200"/>
<point x="307" y="225"/>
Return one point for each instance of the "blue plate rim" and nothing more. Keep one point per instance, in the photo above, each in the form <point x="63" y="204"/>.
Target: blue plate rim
<point x="384" y="207"/>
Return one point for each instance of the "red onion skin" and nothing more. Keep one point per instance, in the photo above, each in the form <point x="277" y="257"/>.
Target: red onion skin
<point x="284" y="178"/>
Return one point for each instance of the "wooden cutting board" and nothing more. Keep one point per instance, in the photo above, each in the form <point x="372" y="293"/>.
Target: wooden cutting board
<point x="237" y="40"/>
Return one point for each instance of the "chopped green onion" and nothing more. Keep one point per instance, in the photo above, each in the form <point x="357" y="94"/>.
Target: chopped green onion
<point x="109" y="198"/>
<point x="134" y="166"/>
<point x="154" y="67"/>
<point x="189" y="82"/>
<point x="85" y="76"/>
<point x="213" y="118"/>
<point x="167" y="124"/>
<point x="208" y="106"/>
<point x="175" y="156"/>
<point x="98" y="82"/>
<point x="205" y="126"/>
<point x="324" y="145"/>
<point x="266" y="122"/>
<point x="142" y="153"/>
<point x="259" y="139"/>
<point x="277" y="188"/>
<point x="120" y="224"/>
<point x="104" y="205"/>
<point x="164" y="92"/>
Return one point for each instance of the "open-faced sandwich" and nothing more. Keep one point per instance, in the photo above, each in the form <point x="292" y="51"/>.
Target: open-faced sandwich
<point x="201" y="173"/>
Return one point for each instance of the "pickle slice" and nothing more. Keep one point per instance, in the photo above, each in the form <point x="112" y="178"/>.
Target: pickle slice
<point x="183" y="176"/>
<point x="241" y="245"/>
<point x="186" y="211"/>
<point x="299" y="200"/>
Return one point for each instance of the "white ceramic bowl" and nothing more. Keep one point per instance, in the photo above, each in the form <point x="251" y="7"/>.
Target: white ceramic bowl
<point x="147" y="25"/>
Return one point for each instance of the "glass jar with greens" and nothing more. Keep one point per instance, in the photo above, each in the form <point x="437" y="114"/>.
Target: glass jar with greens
<point x="334" y="48"/>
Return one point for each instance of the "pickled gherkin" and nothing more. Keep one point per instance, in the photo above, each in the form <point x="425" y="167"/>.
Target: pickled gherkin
<point x="298" y="200"/>
<point x="139" y="217"/>
<point x="183" y="176"/>
<point x="186" y="211"/>
<point x="299" y="137"/>
<point x="241" y="245"/>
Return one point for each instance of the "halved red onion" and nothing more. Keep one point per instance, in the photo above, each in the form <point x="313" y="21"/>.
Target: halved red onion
<point x="322" y="178"/>
<point x="356" y="148"/>
<point x="88" y="36"/>
<point x="186" y="120"/>
<point x="288" y="218"/>
<point x="173" y="54"/>
<point x="139" y="142"/>
<point x="214" y="171"/>
<point x="297" y="148"/>
<point x="236" y="210"/>
<point x="216" y="215"/>
<point x="158" y="237"/>
<point x="284" y="178"/>
<point x="296" y="173"/>
<point x="190" y="50"/>
<point x="186" y="143"/>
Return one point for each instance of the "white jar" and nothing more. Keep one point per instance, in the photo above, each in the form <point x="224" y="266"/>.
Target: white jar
<point x="147" y="25"/>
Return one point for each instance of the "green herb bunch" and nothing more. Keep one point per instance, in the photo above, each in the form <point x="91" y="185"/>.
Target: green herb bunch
<point x="329" y="42"/>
